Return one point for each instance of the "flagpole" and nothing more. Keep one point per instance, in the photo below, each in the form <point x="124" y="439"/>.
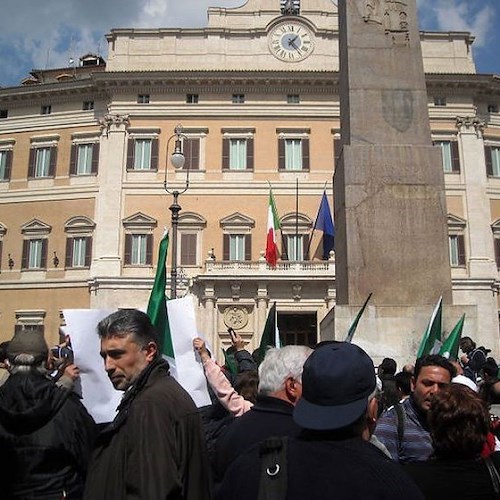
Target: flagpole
<point x="297" y="218"/>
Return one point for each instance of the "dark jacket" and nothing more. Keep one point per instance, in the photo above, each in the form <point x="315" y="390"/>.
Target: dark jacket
<point x="460" y="479"/>
<point x="268" y="417"/>
<point x="322" y="468"/>
<point x="154" y="449"/>
<point x="46" y="436"/>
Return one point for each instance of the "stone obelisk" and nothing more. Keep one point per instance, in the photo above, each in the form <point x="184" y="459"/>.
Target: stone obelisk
<point x="390" y="209"/>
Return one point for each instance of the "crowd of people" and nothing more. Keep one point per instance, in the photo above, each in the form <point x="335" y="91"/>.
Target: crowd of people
<point x="316" y="423"/>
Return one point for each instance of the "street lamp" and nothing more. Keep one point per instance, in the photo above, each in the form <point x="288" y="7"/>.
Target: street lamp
<point x="177" y="159"/>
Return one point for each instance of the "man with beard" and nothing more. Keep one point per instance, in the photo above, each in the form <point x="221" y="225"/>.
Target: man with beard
<point x="403" y="427"/>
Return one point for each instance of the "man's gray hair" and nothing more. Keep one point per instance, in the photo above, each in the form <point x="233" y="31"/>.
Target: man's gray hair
<point x="281" y="364"/>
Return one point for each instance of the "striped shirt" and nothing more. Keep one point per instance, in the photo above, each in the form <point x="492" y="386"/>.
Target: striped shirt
<point x="416" y="444"/>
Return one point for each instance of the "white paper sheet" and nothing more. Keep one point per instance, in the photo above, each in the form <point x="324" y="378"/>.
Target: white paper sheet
<point x="98" y="394"/>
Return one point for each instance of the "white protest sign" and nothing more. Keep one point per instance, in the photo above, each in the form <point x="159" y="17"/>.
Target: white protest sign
<point x="98" y="394"/>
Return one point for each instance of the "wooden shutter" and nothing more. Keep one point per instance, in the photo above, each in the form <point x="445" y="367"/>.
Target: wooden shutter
<point x="128" y="249"/>
<point x="88" y="251"/>
<point x="24" y="258"/>
<point x="489" y="161"/>
<point x="8" y="165"/>
<point x="31" y="163"/>
<point x="248" y="247"/>
<point x="225" y="154"/>
<point x="45" y="244"/>
<point x="496" y="242"/>
<point x="1" y="242"/>
<point x="188" y="249"/>
<point x="191" y="150"/>
<point x="281" y="154"/>
<point x="250" y="153"/>
<point x="95" y="158"/>
<point x="225" y="247"/>
<point x="53" y="161"/>
<point x="305" y="154"/>
<point x="72" y="159"/>
<point x="130" y="154"/>
<point x="284" y="247"/>
<point x="455" y="157"/>
<point x="461" y="249"/>
<point x="154" y="154"/>
<point x="305" y="246"/>
<point x="149" y="249"/>
<point x="337" y="146"/>
<point x="69" y="252"/>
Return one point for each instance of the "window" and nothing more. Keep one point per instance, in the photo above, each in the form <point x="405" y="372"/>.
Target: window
<point x="138" y="249"/>
<point x="293" y="154"/>
<point x="142" y="154"/>
<point x="237" y="238"/>
<point x="46" y="110"/>
<point x="78" y="251"/>
<point x="295" y="230"/>
<point x="492" y="108"/>
<point x="450" y="156"/>
<point x="4" y="113"/>
<point x="492" y="154"/>
<point x="192" y="98"/>
<point x="457" y="250"/>
<point x="293" y="99"/>
<point x="84" y="159"/>
<point x="236" y="247"/>
<point x="5" y="164"/>
<point x="88" y="105"/>
<point x="143" y="99"/>
<point x="34" y="254"/>
<point x="238" y="149"/>
<point x="440" y="101"/>
<point x="238" y="98"/>
<point x="295" y="246"/>
<point x="191" y="150"/>
<point x="42" y="162"/>
<point x="189" y="249"/>
<point x="496" y="242"/>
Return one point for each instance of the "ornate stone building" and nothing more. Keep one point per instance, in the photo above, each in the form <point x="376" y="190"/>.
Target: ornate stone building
<point x="83" y="153"/>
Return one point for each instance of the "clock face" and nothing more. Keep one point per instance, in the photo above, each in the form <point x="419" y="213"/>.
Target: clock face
<point x="291" y="41"/>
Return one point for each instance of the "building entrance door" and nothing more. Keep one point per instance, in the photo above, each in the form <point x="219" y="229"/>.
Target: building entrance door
<point x="298" y="328"/>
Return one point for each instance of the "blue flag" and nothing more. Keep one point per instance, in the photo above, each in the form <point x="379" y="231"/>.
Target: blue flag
<point x="324" y="222"/>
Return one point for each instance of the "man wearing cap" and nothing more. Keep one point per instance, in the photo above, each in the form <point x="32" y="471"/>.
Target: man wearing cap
<point x="403" y="428"/>
<point x="46" y="435"/>
<point x="332" y="457"/>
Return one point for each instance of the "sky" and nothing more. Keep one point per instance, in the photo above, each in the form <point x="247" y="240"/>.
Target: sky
<point x="39" y="34"/>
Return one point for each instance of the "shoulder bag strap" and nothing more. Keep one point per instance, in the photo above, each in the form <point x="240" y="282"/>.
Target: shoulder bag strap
<point x="494" y="475"/>
<point x="273" y="469"/>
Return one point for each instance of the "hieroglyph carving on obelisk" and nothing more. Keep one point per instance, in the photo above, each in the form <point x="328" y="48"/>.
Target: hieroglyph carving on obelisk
<point x="391" y="14"/>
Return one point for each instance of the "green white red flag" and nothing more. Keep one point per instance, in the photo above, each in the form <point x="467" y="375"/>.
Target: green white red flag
<point x="273" y="224"/>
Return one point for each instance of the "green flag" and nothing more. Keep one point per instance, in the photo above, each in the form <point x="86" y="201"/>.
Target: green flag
<point x="354" y="325"/>
<point x="449" y="349"/>
<point x="157" y="305"/>
<point x="270" y="336"/>
<point x="432" y="335"/>
<point x="230" y="362"/>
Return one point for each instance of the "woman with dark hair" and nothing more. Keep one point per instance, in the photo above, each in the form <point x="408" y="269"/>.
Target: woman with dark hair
<point x="459" y="423"/>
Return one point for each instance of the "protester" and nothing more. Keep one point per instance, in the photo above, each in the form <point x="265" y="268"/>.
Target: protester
<point x="386" y="373"/>
<point x="332" y="457"/>
<point x="46" y="434"/>
<point x="403" y="384"/>
<point x="280" y="387"/>
<point x="4" y="372"/>
<point x="473" y="358"/>
<point x="459" y="424"/>
<point x="155" y="446"/>
<point x="403" y="428"/>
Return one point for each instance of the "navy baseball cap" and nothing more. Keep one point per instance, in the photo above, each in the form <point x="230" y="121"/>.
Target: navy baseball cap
<point x="337" y="380"/>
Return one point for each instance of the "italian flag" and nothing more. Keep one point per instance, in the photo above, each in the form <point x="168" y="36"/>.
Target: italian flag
<point x="273" y="224"/>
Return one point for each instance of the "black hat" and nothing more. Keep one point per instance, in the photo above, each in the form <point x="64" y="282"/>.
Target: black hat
<point x="28" y="342"/>
<point x="336" y="382"/>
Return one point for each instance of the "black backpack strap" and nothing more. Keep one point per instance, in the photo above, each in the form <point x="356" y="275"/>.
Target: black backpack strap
<point x="494" y="475"/>
<point x="273" y="469"/>
<point x="401" y="421"/>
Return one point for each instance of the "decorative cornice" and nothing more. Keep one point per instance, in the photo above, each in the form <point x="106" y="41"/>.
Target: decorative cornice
<point x="113" y="120"/>
<point x="465" y="124"/>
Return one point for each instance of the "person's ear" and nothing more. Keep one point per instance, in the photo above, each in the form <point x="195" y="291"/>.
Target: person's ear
<point x="413" y="383"/>
<point x="151" y="351"/>
<point x="292" y="389"/>
<point x="372" y="410"/>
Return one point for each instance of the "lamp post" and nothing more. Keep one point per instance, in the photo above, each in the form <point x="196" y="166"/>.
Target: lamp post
<point x="177" y="160"/>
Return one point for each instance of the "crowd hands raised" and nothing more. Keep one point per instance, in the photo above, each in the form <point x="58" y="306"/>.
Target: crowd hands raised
<point x="318" y="423"/>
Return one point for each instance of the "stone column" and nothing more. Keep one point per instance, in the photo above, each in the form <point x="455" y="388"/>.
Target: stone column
<point x="107" y="250"/>
<point x="481" y="258"/>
